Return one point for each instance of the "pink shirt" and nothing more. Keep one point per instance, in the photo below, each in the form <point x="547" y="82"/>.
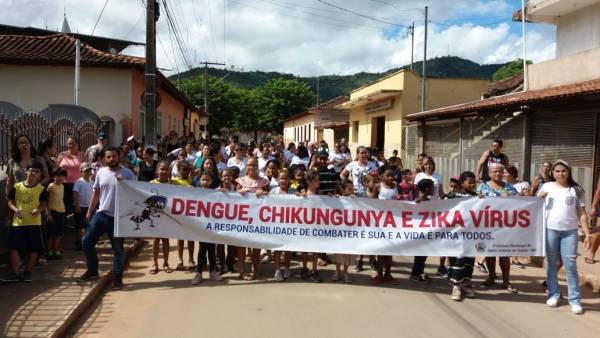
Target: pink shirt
<point x="252" y="185"/>
<point x="71" y="164"/>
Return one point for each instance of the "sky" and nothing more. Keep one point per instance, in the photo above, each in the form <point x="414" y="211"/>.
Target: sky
<point x="302" y="37"/>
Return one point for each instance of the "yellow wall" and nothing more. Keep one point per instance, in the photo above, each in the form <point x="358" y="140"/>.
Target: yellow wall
<point x="441" y="93"/>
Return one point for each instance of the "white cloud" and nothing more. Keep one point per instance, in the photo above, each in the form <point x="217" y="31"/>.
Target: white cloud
<point x="301" y="37"/>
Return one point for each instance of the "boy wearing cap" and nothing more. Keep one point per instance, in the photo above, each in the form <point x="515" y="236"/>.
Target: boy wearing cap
<point x="82" y="193"/>
<point x="27" y="200"/>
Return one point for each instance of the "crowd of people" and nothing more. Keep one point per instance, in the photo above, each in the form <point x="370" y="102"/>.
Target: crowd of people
<point x="46" y="187"/>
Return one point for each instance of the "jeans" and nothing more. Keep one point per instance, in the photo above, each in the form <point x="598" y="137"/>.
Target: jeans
<point x="207" y="249"/>
<point x="563" y="244"/>
<point x="418" y="267"/>
<point x="99" y="225"/>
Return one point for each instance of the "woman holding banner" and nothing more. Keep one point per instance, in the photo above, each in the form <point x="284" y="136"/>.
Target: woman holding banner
<point x="565" y="211"/>
<point x="496" y="187"/>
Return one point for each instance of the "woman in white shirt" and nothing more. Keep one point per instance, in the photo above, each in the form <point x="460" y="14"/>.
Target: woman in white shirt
<point x="356" y="171"/>
<point x="429" y="172"/>
<point x="238" y="160"/>
<point x="565" y="210"/>
<point x="301" y="157"/>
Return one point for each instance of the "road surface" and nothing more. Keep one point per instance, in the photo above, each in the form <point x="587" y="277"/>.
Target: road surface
<point x="167" y="305"/>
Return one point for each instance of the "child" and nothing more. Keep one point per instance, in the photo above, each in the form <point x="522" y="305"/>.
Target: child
<point x="27" y="200"/>
<point x="312" y="186"/>
<point x="82" y="193"/>
<point x="206" y="249"/>
<point x="346" y="189"/>
<point x="283" y="188"/>
<point x="461" y="268"/>
<point x="372" y="186"/>
<point x="184" y="168"/>
<point x="406" y="188"/>
<point x="181" y="157"/>
<point x="228" y="185"/>
<point x="387" y="191"/>
<point x="298" y="183"/>
<point x="426" y="188"/>
<point x="56" y="213"/>
<point x="163" y="172"/>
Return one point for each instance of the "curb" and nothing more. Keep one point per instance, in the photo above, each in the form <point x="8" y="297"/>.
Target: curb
<point x="96" y="291"/>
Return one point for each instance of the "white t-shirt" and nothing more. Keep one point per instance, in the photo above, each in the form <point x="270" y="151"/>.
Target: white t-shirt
<point x="436" y="183"/>
<point x="232" y="162"/>
<point x="262" y="163"/>
<point x="106" y="183"/>
<point x="276" y="191"/>
<point x="561" y="206"/>
<point x="298" y="160"/>
<point x="83" y="189"/>
<point x="388" y="193"/>
<point x="357" y="175"/>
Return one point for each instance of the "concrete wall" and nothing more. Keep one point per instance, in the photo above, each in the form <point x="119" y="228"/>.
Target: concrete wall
<point x="574" y="68"/>
<point x="578" y="31"/>
<point x="304" y="124"/>
<point x="391" y="82"/>
<point x="105" y="91"/>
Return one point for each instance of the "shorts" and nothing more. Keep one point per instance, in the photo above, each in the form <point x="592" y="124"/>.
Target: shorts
<point x="57" y="226"/>
<point x="80" y="221"/>
<point x="26" y="237"/>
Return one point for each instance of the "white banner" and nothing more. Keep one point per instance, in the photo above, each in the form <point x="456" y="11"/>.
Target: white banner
<point x="458" y="227"/>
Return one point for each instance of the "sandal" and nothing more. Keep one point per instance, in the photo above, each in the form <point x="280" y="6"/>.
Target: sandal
<point x="154" y="270"/>
<point x="249" y="276"/>
<point x="179" y="266"/>
<point x="509" y="288"/>
<point x="167" y="269"/>
<point x="481" y="267"/>
<point x="589" y="260"/>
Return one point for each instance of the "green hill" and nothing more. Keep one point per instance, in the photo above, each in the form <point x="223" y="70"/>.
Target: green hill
<point x="335" y="85"/>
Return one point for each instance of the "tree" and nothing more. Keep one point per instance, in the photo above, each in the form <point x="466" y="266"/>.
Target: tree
<point x="509" y="70"/>
<point x="279" y="99"/>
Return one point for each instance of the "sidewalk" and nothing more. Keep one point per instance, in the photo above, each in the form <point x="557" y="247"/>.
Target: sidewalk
<point x="46" y="306"/>
<point x="589" y="274"/>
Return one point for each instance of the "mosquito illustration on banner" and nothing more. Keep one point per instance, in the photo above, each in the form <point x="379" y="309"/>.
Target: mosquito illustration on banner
<point x="153" y="206"/>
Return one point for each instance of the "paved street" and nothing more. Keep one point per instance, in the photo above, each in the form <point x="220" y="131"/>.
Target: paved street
<point x="167" y="305"/>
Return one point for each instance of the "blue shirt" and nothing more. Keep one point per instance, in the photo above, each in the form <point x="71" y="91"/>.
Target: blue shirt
<point x="508" y="190"/>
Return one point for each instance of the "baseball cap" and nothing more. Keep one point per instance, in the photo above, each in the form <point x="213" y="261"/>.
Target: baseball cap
<point x="85" y="166"/>
<point x="101" y="135"/>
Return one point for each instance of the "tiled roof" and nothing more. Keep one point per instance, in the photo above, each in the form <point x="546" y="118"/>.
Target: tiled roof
<point x="325" y="107"/>
<point x="58" y="49"/>
<point x="513" y="100"/>
<point x="510" y="85"/>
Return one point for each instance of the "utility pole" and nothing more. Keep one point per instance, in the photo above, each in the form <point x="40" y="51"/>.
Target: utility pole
<point x="206" y="63"/>
<point x="412" y="44"/>
<point x="150" y="73"/>
<point x="424" y="77"/>
<point x="525" y="75"/>
<point x="318" y="96"/>
<point x="77" y="70"/>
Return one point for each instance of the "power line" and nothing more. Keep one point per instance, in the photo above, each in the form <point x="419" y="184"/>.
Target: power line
<point x="177" y="34"/>
<point x="99" y="16"/>
<point x="210" y="27"/>
<point x="307" y="19"/>
<point x="134" y="25"/>
<point x="398" y="8"/>
<point x="362" y="15"/>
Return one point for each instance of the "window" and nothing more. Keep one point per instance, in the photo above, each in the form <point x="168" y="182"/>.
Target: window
<point x="355" y="131"/>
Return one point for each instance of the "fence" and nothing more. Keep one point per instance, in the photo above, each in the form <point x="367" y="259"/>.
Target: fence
<point x="57" y="121"/>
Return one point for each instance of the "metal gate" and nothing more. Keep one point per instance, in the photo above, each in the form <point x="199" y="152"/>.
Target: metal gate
<point x="57" y="121"/>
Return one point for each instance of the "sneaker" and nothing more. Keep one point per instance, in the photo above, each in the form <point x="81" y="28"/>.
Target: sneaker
<point x="27" y="276"/>
<point x="215" y="276"/>
<point x="552" y="302"/>
<point x="179" y="266"/>
<point x="314" y="277"/>
<point x="279" y="276"/>
<point x="117" y="283"/>
<point x="377" y="280"/>
<point x="87" y="276"/>
<point x="420" y="278"/>
<point x="467" y="292"/>
<point x="347" y="278"/>
<point x="442" y="271"/>
<point x="304" y="273"/>
<point x="10" y="278"/>
<point x="42" y="261"/>
<point x="287" y="273"/>
<point x="197" y="279"/>
<point x="335" y="277"/>
<point x="576" y="309"/>
<point x="456" y="293"/>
